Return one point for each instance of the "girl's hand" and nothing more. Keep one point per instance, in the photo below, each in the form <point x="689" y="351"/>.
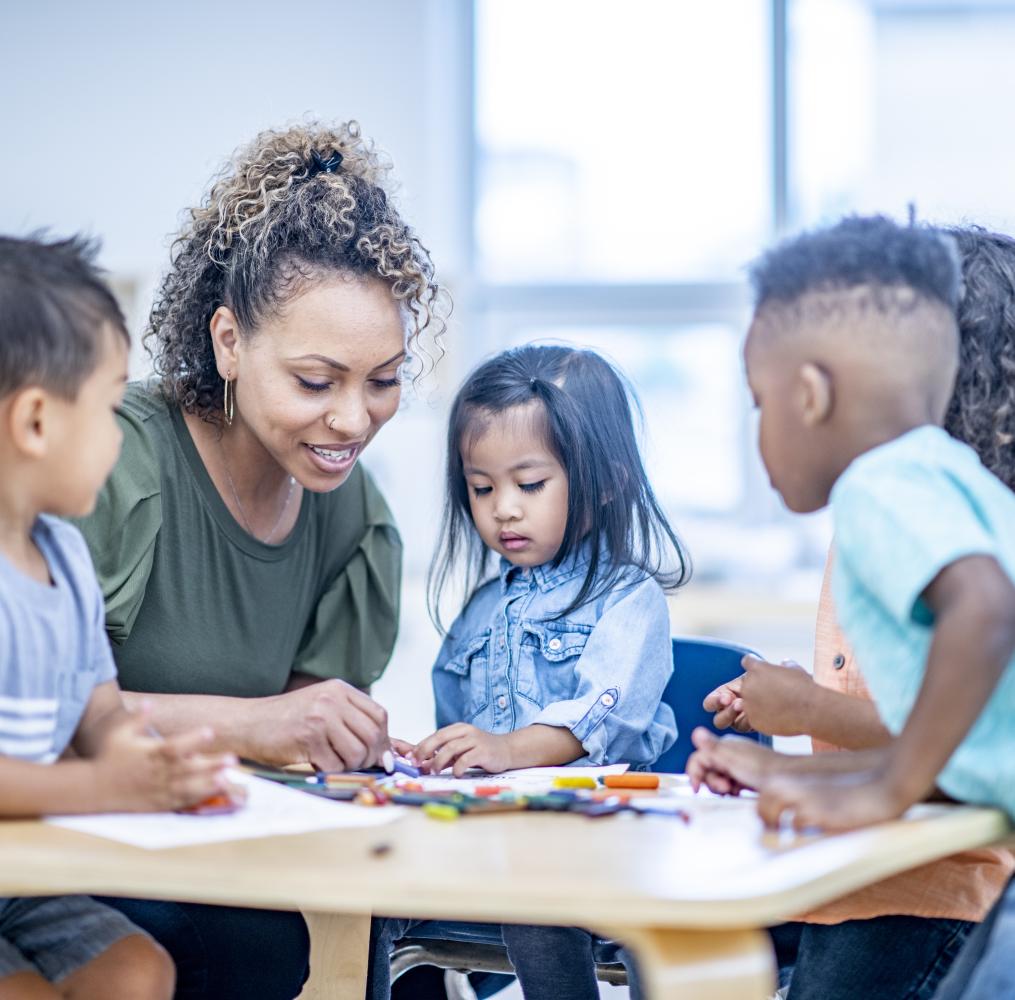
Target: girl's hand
<point x="136" y="771"/>
<point x="728" y="707"/>
<point x="404" y="748"/>
<point x="776" y="699"/>
<point x="462" y="746"/>
<point x="330" y="724"/>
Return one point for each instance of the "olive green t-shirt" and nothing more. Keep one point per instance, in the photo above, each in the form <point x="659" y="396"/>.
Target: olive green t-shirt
<point x="195" y="605"/>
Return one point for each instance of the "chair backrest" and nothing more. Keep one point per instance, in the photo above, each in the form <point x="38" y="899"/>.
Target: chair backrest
<point x="699" y="666"/>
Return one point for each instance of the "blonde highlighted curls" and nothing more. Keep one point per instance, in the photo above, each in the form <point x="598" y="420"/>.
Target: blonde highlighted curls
<point x="272" y="222"/>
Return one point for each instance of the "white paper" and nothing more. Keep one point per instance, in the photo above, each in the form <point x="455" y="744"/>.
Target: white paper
<point x="528" y="779"/>
<point x="271" y="809"/>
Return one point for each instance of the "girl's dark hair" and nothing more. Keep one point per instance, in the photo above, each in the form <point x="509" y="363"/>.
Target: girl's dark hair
<point x="982" y="409"/>
<point x="292" y="206"/>
<point x="587" y="421"/>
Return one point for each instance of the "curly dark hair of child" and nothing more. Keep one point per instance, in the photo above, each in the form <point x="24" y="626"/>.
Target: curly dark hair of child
<point x="289" y="208"/>
<point x="860" y="251"/>
<point x="54" y="310"/>
<point x="586" y="417"/>
<point x="982" y="409"/>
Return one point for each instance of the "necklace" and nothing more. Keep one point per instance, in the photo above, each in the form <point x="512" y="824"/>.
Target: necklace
<point x="239" y="506"/>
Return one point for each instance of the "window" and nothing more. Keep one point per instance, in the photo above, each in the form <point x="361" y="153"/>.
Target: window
<point x="621" y="142"/>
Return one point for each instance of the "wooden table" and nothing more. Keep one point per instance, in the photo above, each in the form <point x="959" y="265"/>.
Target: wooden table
<point x="689" y="898"/>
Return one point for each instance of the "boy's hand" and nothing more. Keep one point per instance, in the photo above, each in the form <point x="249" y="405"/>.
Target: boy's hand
<point x="729" y="765"/>
<point x="839" y="802"/>
<point x="462" y="746"/>
<point x="136" y="771"/>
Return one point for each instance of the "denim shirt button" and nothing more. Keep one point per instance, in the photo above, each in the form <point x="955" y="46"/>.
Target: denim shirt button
<point x="502" y="701"/>
<point x="554" y="644"/>
<point x="607" y="700"/>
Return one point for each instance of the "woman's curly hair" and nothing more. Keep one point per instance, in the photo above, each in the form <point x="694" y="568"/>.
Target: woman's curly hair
<point x="283" y="211"/>
<point x="982" y="409"/>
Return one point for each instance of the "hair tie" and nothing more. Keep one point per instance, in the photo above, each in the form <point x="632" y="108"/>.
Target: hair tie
<point x="319" y="165"/>
<point x="532" y="381"/>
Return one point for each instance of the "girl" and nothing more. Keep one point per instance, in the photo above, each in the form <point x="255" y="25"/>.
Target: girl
<point x="563" y="655"/>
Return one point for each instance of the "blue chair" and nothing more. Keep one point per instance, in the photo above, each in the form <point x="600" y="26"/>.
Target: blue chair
<point x="699" y="666"/>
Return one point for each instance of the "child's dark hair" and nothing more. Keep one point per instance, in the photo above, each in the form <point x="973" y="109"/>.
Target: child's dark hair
<point x="857" y="251"/>
<point x="982" y="410"/>
<point x="54" y="308"/>
<point x="587" y="421"/>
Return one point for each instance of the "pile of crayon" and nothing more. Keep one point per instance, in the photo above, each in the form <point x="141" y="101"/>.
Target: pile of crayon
<point x="579" y="794"/>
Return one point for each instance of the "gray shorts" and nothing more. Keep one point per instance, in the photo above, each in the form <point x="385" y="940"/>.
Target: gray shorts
<point x="56" y="935"/>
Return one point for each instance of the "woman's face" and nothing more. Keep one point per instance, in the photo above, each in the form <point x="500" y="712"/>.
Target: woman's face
<point x="315" y="383"/>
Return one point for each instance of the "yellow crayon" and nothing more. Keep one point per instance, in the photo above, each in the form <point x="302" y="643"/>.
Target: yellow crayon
<point x="436" y="810"/>
<point x="579" y="781"/>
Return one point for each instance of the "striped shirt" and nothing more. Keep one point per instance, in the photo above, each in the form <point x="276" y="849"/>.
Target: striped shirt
<point x="53" y="646"/>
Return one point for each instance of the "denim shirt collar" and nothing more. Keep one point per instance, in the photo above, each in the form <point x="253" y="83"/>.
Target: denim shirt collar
<point x="546" y="576"/>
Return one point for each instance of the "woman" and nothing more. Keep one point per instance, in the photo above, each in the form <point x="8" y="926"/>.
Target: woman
<point x="250" y="565"/>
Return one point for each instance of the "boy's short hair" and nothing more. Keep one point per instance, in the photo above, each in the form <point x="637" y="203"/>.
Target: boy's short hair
<point x="54" y="307"/>
<point x="860" y="251"/>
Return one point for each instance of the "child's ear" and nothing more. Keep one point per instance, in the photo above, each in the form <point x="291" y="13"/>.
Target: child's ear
<point x="817" y="396"/>
<point x="28" y="417"/>
<point x="225" y="337"/>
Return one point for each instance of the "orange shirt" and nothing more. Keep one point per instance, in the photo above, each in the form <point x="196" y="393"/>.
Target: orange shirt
<point x="962" y="887"/>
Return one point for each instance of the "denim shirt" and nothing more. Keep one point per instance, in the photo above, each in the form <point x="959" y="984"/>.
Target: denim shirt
<point x="599" y="672"/>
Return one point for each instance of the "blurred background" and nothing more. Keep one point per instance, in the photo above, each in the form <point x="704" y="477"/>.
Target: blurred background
<point x="589" y="171"/>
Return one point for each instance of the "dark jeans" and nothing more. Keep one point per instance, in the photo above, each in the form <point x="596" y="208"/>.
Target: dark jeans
<point x="885" y="958"/>
<point x="985" y="968"/>
<point x="226" y="953"/>
<point x="552" y="963"/>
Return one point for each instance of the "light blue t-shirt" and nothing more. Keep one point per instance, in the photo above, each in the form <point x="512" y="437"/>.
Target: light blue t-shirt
<point x="53" y="646"/>
<point x="509" y="661"/>
<point x="903" y="512"/>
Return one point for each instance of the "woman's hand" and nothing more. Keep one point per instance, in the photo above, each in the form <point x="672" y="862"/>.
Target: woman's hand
<point x="330" y="724"/>
<point x="462" y="746"/>
<point x="137" y="771"/>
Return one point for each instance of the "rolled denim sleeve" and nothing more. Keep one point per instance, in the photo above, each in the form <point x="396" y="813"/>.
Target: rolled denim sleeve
<point x="617" y="712"/>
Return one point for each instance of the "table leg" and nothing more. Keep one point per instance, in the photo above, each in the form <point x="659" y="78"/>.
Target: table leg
<point x="339" y="945"/>
<point x="701" y="965"/>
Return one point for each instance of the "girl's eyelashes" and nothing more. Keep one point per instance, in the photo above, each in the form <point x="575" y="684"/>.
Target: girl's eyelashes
<point x="387" y="383"/>
<point x="313" y="386"/>
<point x="482" y="491"/>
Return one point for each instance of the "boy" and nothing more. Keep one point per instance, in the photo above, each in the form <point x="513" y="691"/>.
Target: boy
<point x="63" y="367"/>
<point x="851" y="357"/>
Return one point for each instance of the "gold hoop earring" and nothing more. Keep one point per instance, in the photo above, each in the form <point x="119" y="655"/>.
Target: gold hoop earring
<point x="228" y="400"/>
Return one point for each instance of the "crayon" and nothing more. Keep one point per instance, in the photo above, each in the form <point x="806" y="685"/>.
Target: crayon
<point x="579" y="781"/>
<point x="632" y="779"/>
<point x="438" y="810"/>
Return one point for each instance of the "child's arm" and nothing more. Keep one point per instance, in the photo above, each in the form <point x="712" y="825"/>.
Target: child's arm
<point x="731" y="764"/>
<point x="105" y="708"/>
<point x="784" y="700"/>
<point x="129" y="769"/>
<point x="462" y="746"/>
<point x="973" y="602"/>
